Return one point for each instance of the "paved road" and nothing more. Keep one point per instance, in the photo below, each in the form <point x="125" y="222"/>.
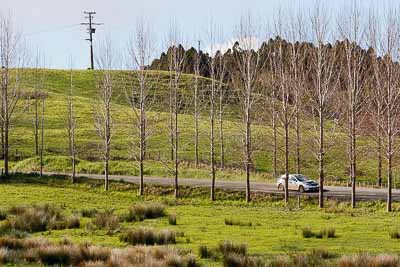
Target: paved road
<point x="331" y="191"/>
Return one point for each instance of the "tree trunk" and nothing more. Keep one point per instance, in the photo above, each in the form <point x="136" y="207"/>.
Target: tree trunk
<point x="42" y="140"/>
<point x="6" y="128"/>
<point x="379" y="150"/>
<point x="36" y="129"/>
<point x="196" y="122"/>
<point x="297" y="126"/>
<point x="353" y="159"/>
<point x="286" y="124"/>
<point x="212" y="139"/>
<point x="390" y="175"/>
<point x="106" y="169"/>
<point x="390" y="157"/>
<point x="171" y="124"/>
<point x="73" y="169"/>
<point x="142" y="153"/>
<point x="176" y="131"/>
<point x="142" y="137"/>
<point x="248" y="147"/>
<point x="275" y="148"/>
<point x="221" y="131"/>
<point x="321" y="159"/>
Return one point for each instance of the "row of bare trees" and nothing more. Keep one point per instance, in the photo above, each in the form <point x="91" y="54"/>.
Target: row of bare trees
<point x="302" y="74"/>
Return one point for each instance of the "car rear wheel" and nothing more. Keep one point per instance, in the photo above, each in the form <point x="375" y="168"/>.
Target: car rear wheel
<point x="301" y="189"/>
<point x="281" y="188"/>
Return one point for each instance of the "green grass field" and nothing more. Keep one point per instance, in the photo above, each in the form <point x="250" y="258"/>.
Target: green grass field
<point x="124" y="142"/>
<point x="274" y="230"/>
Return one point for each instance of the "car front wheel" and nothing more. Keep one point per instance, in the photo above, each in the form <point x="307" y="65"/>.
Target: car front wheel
<point x="301" y="189"/>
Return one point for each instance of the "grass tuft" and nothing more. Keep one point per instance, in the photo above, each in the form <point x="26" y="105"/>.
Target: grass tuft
<point x="394" y="234"/>
<point x="106" y="220"/>
<point x="172" y="219"/>
<point x="140" y="212"/>
<point x="307" y="232"/>
<point x="88" y="213"/>
<point x="229" y="221"/>
<point x="228" y="247"/>
<point x="148" y="236"/>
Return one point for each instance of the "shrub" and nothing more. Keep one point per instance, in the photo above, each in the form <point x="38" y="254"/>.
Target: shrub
<point x="307" y="232"/>
<point x="172" y="219"/>
<point x="88" y="213"/>
<point x="140" y="212"/>
<point x="228" y="247"/>
<point x="394" y="234"/>
<point x="106" y="220"/>
<point x="148" y="236"/>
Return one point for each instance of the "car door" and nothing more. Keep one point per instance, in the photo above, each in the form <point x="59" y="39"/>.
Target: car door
<point x="292" y="183"/>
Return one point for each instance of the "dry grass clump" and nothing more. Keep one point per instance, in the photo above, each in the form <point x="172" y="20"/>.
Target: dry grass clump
<point x="140" y="212"/>
<point x="149" y="236"/>
<point x="88" y="212"/>
<point x="106" y="220"/>
<point x="40" y="251"/>
<point x="37" y="218"/>
<point x="366" y="260"/>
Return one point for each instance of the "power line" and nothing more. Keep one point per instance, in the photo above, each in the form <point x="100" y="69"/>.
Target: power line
<point x="91" y="31"/>
<point x="59" y="28"/>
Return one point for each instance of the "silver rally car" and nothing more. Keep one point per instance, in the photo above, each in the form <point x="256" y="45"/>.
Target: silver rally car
<point x="297" y="182"/>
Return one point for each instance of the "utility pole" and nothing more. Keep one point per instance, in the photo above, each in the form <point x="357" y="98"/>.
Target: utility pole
<point x="91" y="31"/>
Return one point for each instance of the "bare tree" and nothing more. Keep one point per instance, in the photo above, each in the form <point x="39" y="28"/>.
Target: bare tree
<point x="297" y="34"/>
<point x="103" y="113"/>
<point x="71" y="127"/>
<point x="141" y="50"/>
<point x="196" y="114"/>
<point x="376" y="92"/>
<point x="176" y="61"/>
<point x="324" y="82"/>
<point x="217" y="70"/>
<point x="248" y="60"/>
<point x="221" y="73"/>
<point x="389" y="49"/>
<point x="352" y="32"/>
<point x="12" y="57"/>
<point x="285" y="90"/>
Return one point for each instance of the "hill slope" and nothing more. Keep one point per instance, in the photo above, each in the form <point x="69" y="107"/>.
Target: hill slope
<point x="124" y="145"/>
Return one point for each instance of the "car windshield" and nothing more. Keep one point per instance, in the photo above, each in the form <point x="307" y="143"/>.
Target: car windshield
<point x="302" y="178"/>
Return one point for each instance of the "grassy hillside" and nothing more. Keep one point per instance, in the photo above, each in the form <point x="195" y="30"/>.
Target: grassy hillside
<point x="124" y="142"/>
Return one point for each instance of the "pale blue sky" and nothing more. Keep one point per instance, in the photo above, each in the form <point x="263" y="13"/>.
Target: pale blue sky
<point x="53" y="26"/>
